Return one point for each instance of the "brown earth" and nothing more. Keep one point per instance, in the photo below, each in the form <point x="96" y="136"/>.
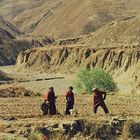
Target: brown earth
<point x="114" y="46"/>
<point x="119" y="106"/>
<point x="66" y="18"/>
<point x="21" y="116"/>
<point x="15" y="91"/>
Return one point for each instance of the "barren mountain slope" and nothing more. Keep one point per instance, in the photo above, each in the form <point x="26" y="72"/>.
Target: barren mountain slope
<point x="12" y="41"/>
<point x="9" y="46"/>
<point x="118" y="34"/>
<point x="66" y="18"/>
<point x="7" y="26"/>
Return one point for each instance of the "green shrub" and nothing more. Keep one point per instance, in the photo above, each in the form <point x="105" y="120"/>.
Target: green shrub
<point x="86" y="80"/>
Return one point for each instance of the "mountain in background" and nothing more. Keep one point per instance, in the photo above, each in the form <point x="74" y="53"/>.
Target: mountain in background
<point x="8" y="28"/>
<point x="66" y="18"/>
<point x="12" y="42"/>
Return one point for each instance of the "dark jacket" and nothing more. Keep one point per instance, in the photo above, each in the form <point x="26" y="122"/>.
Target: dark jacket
<point x="70" y="97"/>
<point x="50" y="97"/>
<point x="99" y="96"/>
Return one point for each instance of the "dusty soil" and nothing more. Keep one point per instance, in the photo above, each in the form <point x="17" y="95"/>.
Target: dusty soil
<point x="24" y="108"/>
<point x="111" y="42"/>
<point x="38" y="82"/>
<point x="20" y="113"/>
<point x="16" y="91"/>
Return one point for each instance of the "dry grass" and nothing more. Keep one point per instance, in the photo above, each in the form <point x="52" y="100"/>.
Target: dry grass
<point x="2" y="126"/>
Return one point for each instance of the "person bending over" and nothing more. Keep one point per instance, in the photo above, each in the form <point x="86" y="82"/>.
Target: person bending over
<point x="99" y="98"/>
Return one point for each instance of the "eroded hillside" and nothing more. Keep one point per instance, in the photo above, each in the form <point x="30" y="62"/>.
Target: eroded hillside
<point x="106" y="48"/>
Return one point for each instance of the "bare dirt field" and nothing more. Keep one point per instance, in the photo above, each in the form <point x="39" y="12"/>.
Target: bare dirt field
<point x="19" y="114"/>
<point x="119" y="104"/>
<point x="16" y="114"/>
<point x="29" y="107"/>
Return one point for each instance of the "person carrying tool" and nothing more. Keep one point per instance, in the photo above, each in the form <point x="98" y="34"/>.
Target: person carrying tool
<point x="69" y="100"/>
<point x="99" y="98"/>
<point x="50" y="99"/>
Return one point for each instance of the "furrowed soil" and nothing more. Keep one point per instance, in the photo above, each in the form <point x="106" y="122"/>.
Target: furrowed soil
<point x="29" y="107"/>
<point x="119" y="104"/>
<point x="19" y="114"/>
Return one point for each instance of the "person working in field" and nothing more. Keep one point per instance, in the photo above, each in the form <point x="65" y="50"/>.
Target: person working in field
<point x="99" y="98"/>
<point x="69" y="100"/>
<point x="45" y="107"/>
<point x="50" y="99"/>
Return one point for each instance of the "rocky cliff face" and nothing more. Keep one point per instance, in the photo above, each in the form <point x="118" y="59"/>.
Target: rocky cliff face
<point x="11" y="47"/>
<point x="68" y="60"/>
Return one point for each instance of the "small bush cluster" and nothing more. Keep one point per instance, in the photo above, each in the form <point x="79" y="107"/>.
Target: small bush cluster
<point x="86" y="80"/>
